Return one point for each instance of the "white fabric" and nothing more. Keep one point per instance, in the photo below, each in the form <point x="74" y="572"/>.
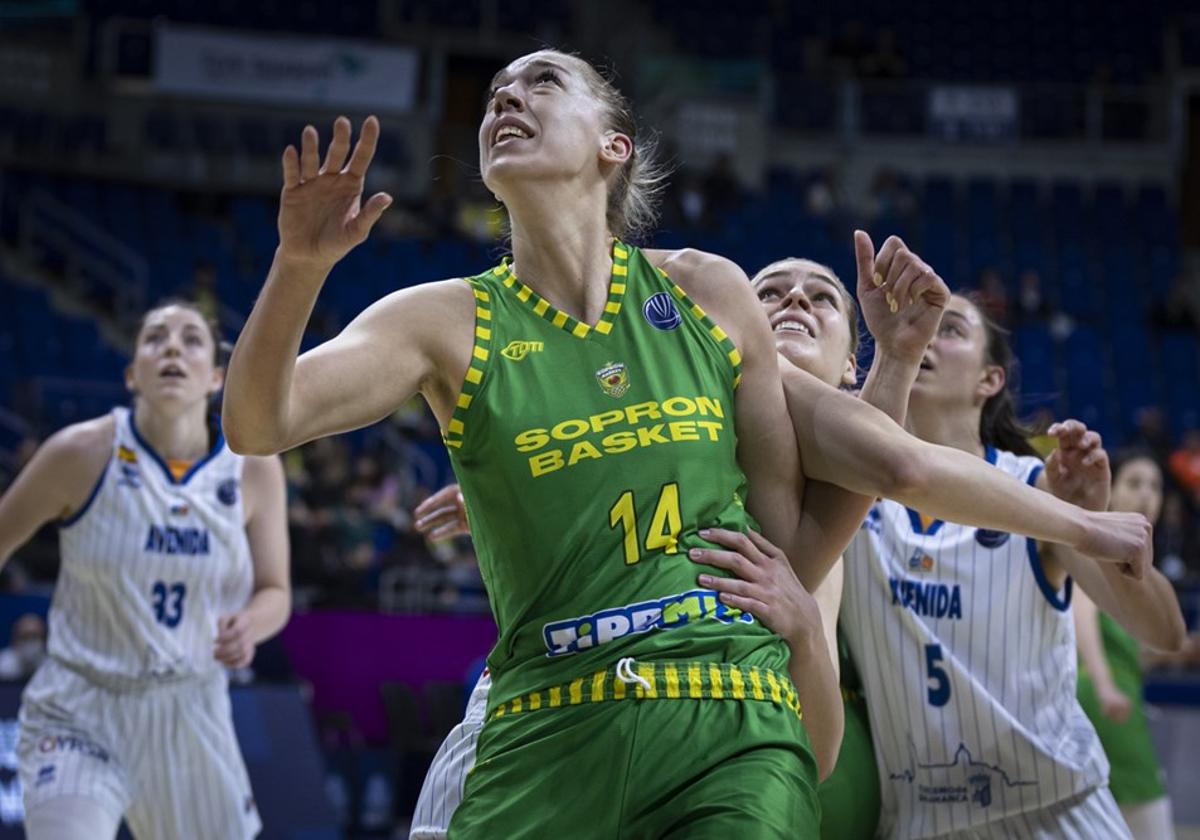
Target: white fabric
<point x="442" y="791"/>
<point x="150" y="564"/>
<point x="969" y="667"/>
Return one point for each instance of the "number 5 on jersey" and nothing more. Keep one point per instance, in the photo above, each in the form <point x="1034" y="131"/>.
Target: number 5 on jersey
<point x="939" y="688"/>
<point x="665" y="524"/>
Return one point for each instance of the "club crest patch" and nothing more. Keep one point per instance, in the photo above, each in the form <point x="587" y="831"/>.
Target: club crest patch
<point x="613" y="379"/>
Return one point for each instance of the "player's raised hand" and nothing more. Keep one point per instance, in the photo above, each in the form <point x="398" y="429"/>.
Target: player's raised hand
<point x="442" y="515"/>
<point x="765" y="584"/>
<point x="321" y="214"/>
<point x="1078" y="470"/>
<point x="902" y="298"/>
<point x="234" y="645"/>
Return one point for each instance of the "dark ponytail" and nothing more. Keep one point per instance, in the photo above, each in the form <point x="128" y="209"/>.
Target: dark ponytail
<point x="998" y="425"/>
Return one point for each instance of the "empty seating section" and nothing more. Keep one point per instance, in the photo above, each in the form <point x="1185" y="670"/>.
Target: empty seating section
<point x="1105" y="255"/>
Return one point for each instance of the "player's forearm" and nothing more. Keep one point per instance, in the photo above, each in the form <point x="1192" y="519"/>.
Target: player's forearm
<point x="258" y="382"/>
<point x="1087" y="639"/>
<point x="846" y="442"/>
<point x="816" y="684"/>
<point x="832" y="514"/>
<point x="1147" y="608"/>
<point x="888" y="385"/>
<point x="268" y="611"/>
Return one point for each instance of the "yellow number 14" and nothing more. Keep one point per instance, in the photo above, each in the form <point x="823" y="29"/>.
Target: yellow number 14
<point x="664" y="525"/>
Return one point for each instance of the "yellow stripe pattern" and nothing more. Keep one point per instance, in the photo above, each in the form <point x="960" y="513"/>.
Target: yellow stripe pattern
<point x="668" y="681"/>
<point x="542" y="307"/>
<point x="452" y="436"/>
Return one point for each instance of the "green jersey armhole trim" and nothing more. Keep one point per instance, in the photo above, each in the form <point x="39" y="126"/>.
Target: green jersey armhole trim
<point x="452" y="436"/>
<point x="718" y="335"/>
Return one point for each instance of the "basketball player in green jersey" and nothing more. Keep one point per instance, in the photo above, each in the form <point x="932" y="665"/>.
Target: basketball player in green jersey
<point x="1110" y="676"/>
<point x="591" y="402"/>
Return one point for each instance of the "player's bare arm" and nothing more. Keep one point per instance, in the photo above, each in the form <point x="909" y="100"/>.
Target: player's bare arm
<point x="414" y="340"/>
<point x="766" y="446"/>
<point x="56" y="483"/>
<point x="1078" y="471"/>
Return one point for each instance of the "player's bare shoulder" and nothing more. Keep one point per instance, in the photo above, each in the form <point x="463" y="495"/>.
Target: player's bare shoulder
<point x="71" y="460"/>
<point x="716" y="283"/>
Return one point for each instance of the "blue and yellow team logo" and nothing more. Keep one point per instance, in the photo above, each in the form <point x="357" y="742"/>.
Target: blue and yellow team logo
<point x="660" y="312"/>
<point x="126" y="455"/>
<point x="613" y="379"/>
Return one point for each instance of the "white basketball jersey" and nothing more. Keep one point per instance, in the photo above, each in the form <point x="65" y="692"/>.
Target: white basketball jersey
<point x="150" y="563"/>
<point x="968" y="662"/>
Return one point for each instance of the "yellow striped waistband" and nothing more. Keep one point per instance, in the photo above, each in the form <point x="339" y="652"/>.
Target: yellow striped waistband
<point x="667" y="681"/>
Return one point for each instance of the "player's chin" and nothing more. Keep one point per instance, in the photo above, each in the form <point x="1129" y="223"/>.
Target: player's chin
<point x="801" y="352"/>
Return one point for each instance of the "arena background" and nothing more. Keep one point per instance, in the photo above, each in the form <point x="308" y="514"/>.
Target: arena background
<point x="1045" y="154"/>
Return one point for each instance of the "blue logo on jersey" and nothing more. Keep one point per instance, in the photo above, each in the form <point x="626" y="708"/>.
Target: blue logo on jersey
<point x="659" y="310"/>
<point x="168" y="540"/>
<point x="227" y="491"/>
<point x="981" y="789"/>
<point x="130" y="477"/>
<point x="45" y="775"/>
<point x="991" y="539"/>
<point x="73" y="743"/>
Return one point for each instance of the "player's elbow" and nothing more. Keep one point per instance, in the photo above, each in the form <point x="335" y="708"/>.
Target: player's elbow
<point x="248" y="438"/>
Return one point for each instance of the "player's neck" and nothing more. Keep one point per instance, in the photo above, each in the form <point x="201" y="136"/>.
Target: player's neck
<point x="179" y="436"/>
<point x="946" y="428"/>
<point x="561" y="249"/>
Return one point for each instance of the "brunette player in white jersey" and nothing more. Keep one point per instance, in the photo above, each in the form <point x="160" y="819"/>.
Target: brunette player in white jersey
<point x="963" y="636"/>
<point x="174" y="566"/>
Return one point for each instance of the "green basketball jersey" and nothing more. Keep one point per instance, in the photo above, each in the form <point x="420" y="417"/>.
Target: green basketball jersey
<point x="589" y="457"/>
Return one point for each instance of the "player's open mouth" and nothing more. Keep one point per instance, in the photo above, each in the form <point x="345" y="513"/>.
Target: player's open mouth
<point x="172" y="372"/>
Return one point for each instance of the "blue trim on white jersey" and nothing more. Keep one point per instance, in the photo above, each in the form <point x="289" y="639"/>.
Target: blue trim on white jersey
<point x="77" y="515"/>
<point x="1059" y="602"/>
<point x="195" y="468"/>
<point x="914" y="518"/>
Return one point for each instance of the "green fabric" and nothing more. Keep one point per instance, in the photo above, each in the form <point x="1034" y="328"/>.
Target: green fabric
<point x="589" y="458"/>
<point x="643" y="769"/>
<point x="1136" y="775"/>
<point x="850" y="797"/>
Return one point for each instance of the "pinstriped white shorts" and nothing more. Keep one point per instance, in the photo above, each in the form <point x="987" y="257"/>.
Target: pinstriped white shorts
<point x="442" y="790"/>
<point x="1091" y="815"/>
<point x="165" y="757"/>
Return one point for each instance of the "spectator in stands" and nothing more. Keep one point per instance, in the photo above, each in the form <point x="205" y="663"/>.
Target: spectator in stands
<point x="889" y="198"/>
<point x="885" y="61"/>
<point x="1174" y="540"/>
<point x="1032" y="306"/>
<point x="204" y="290"/>
<point x="722" y="190"/>
<point x="1181" y="307"/>
<point x="823" y="197"/>
<point x="1184" y="464"/>
<point x="26" y="648"/>
<point x="993" y="295"/>
<point x="1151" y="433"/>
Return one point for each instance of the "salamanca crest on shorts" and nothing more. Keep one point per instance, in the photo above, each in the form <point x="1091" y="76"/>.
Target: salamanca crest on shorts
<point x="589" y="457"/>
<point x="150" y="563"/>
<point x="968" y="660"/>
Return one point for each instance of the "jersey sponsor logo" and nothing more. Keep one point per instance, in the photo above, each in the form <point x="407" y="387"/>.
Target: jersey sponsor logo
<point x="608" y="432"/>
<point x="45" y="775"/>
<point x="920" y="562"/>
<point x="660" y="312"/>
<point x="588" y="631"/>
<point x="165" y="539"/>
<point x="874" y="521"/>
<point x="613" y="379"/>
<point x="72" y="743"/>
<point x="227" y="492"/>
<point x="127" y="464"/>
<point x="932" y="600"/>
<point x="991" y="539"/>
<point x="958" y="781"/>
<point x="179" y="508"/>
<point x="126" y="455"/>
<point x="518" y="350"/>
